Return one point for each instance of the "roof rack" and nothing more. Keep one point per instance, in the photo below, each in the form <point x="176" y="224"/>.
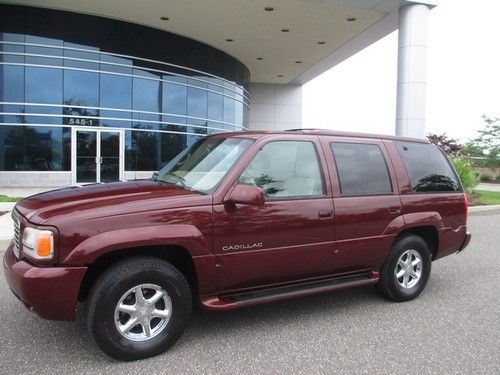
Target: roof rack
<point x="302" y="129"/>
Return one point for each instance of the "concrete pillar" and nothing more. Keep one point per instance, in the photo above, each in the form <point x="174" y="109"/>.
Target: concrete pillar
<point x="275" y="106"/>
<point x="412" y="61"/>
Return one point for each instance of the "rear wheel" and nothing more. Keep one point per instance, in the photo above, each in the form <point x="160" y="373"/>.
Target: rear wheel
<point x="406" y="271"/>
<point x="138" y="308"/>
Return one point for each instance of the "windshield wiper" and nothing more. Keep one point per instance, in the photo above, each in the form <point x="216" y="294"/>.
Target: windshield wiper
<point x="181" y="179"/>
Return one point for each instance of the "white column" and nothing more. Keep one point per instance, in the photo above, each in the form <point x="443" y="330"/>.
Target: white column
<point x="275" y="106"/>
<point x="412" y="61"/>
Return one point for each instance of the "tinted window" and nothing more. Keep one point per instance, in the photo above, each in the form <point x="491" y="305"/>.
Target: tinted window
<point x="285" y="169"/>
<point x="361" y="168"/>
<point x="427" y="167"/>
<point x="28" y="148"/>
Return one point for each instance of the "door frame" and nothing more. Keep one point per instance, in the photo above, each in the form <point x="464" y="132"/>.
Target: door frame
<point x="98" y="131"/>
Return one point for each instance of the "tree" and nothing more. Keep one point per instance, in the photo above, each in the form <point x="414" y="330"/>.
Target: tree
<point x="450" y="146"/>
<point x="488" y="140"/>
<point x="487" y="144"/>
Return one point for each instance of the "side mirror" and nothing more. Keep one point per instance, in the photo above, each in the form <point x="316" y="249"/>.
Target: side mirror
<point x="246" y="194"/>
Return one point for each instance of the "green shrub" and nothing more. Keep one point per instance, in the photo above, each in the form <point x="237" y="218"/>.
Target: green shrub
<point x="498" y="178"/>
<point x="485" y="178"/>
<point x="465" y="172"/>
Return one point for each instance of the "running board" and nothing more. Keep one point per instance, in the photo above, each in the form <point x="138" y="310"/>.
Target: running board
<point x="235" y="301"/>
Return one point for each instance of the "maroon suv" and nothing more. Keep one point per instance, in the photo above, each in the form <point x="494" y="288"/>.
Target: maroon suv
<point x="236" y="220"/>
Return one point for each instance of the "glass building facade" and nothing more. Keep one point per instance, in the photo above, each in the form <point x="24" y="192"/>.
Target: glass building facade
<point x="96" y="97"/>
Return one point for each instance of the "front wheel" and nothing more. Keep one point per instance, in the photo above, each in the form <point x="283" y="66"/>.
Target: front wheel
<point x="406" y="271"/>
<point x="138" y="308"/>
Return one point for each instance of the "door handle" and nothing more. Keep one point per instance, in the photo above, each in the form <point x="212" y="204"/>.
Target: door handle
<point x="394" y="210"/>
<point x="325" y="213"/>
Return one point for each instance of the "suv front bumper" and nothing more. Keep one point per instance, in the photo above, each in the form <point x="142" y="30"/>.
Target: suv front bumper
<point x="50" y="292"/>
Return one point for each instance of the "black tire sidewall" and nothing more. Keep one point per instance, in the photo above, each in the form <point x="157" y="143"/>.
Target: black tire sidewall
<point x="103" y="326"/>
<point x="395" y="290"/>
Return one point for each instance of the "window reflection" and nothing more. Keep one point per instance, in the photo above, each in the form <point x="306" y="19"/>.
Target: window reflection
<point x="28" y="148"/>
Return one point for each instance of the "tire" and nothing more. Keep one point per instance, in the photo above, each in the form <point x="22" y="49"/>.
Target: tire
<point x="125" y="282"/>
<point x="393" y="287"/>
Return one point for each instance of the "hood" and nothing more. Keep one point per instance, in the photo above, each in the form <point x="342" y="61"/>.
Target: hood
<point x="100" y="200"/>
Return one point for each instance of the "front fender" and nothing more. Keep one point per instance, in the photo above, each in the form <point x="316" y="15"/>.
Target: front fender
<point x="187" y="236"/>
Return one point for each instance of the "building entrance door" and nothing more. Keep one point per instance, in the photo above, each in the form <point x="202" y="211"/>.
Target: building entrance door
<point x="96" y="156"/>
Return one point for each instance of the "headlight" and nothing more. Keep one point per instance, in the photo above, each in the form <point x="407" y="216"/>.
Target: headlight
<point x="38" y="244"/>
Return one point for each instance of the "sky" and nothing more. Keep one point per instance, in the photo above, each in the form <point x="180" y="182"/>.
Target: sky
<point x="463" y="77"/>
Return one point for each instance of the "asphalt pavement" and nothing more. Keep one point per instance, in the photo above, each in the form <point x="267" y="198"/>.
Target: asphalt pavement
<point x="452" y="328"/>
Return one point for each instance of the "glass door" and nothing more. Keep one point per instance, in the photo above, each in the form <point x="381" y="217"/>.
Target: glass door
<point x="86" y="156"/>
<point x="96" y="156"/>
<point x="109" y="160"/>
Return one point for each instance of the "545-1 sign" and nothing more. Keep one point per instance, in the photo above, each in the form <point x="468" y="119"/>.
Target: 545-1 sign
<point x="81" y="121"/>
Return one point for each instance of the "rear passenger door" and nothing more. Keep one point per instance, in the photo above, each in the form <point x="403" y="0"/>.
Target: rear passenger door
<point x="366" y="201"/>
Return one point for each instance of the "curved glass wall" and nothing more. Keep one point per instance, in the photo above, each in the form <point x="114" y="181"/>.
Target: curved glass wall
<point x="113" y="75"/>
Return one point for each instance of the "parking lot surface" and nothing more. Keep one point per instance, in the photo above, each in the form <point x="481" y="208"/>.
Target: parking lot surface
<point x="453" y="327"/>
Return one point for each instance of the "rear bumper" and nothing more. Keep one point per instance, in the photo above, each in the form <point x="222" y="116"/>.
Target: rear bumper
<point x="465" y="243"/>
<point x="50" y="292"/>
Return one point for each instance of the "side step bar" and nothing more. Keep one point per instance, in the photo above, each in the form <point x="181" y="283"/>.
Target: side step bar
<point x="235" y="301"/>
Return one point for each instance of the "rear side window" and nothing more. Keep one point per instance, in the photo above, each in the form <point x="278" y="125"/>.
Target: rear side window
<point x="361" y="168"/>
<point x="428" y="168"/>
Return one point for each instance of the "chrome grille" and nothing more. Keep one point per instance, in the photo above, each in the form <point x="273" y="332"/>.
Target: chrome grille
<point x="17" y="236"/>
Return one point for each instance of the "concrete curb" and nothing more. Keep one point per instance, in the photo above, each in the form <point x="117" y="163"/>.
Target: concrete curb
<point x="494" y="207"/>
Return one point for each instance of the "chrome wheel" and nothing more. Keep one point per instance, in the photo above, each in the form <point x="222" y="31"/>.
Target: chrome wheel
<point x="408" y="269"/>
<point x="143" y="312"/>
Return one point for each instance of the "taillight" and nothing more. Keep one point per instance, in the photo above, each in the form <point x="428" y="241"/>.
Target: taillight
<point x="466" y="206"/>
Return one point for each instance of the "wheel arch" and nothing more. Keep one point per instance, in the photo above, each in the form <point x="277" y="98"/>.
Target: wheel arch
<point x="176" y="255"/>
<point x="429" y="233"/>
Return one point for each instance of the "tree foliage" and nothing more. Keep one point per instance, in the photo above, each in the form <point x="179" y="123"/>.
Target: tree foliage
<point x="449" y="145"/>
<point x="487" y="143"/>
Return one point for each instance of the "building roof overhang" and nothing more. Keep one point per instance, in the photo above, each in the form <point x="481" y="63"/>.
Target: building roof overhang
<point x="292" y="43"/>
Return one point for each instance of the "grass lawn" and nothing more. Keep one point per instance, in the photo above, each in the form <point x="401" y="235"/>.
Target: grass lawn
<point x="488" y="197"/>
<point x="6" y="198"/>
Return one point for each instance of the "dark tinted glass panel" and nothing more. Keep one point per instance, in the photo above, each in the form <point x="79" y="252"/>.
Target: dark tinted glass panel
<point x="14" y="49"/>
<point x="110" y="156"/>
<point x="81" y="88"/>
<point x="428" y="168"/>
<point x="197" y="102"/>
<point x="86" y="152"/>
<point x="361" y="168"/>
<point x="12" y="90"/>
<point x="115" y="91"/>
<point x="171" y="146"/>
<point x="142" y="151"/>
<point x="26" y="148"/>
<point x="43" y="85"/>
<point x="43" y="53"/>
<point x="285" y="169"/>
<point x="215" y="107"/>
<point x="229" y="111"/>
<point x="174" y="98"/>
<point x="75" y="55"/>
<point x="146" y="97"/>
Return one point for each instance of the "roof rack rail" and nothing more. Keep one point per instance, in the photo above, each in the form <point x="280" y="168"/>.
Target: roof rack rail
<point x="301" y="129"/>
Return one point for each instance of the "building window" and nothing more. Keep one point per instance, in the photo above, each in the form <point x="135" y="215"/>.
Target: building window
<point x="29" y="148"/>
<point x="161" y="97"/>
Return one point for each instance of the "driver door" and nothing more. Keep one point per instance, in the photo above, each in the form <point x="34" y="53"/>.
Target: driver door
<point x="290" y="236"/>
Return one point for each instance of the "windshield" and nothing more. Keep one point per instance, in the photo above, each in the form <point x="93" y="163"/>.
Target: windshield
<point x="203" y="165"/>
